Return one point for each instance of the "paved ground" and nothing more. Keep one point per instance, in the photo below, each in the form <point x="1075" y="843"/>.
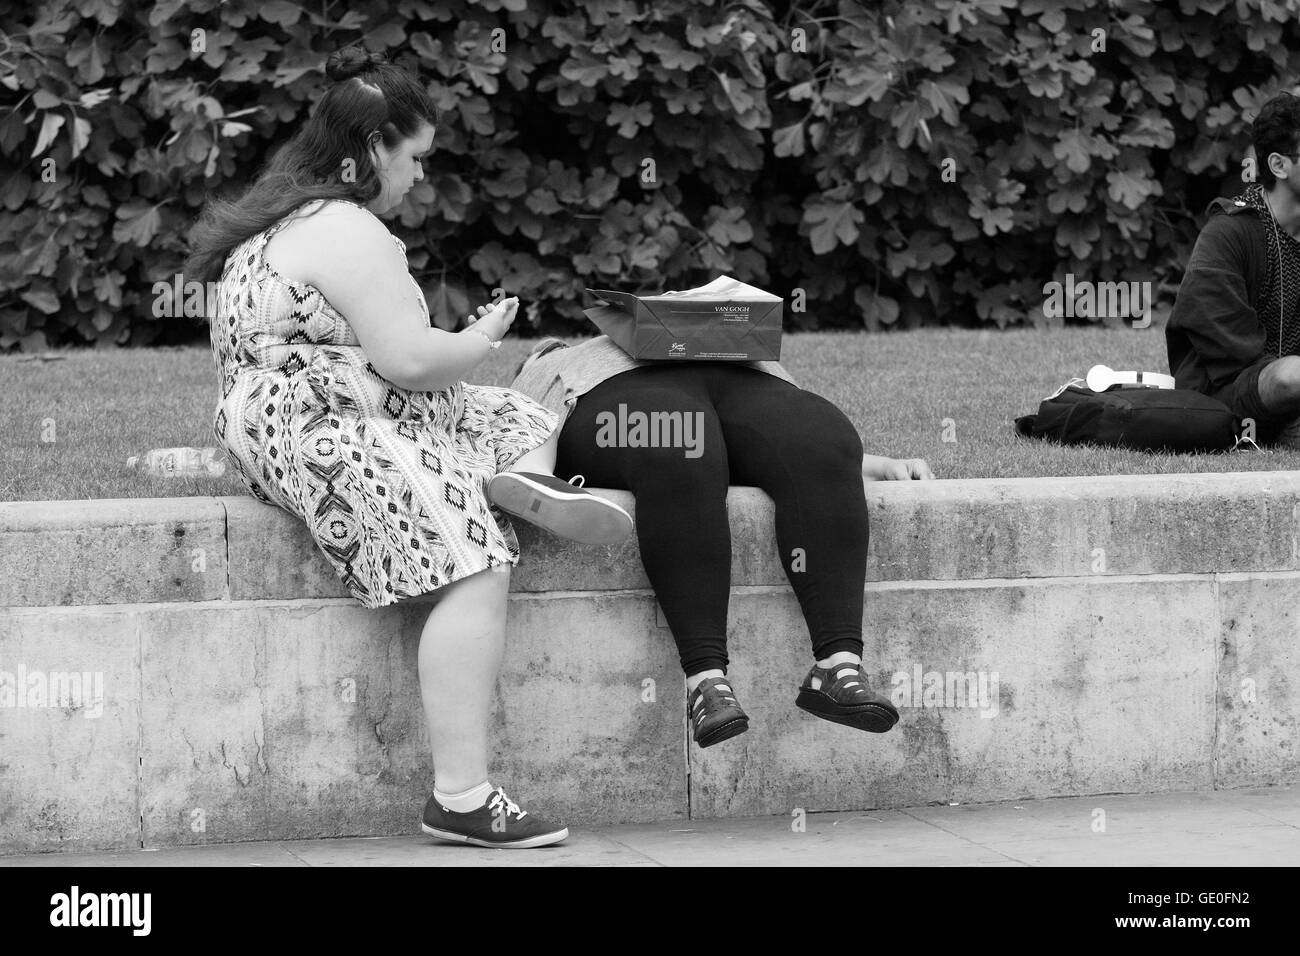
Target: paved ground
<point x="1258" y="827"/>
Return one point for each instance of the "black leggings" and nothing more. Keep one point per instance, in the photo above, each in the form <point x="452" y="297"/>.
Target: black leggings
<point x="757" y="430"/>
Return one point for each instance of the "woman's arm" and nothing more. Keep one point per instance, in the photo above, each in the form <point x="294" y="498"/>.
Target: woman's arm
<point x="360" y="270"/>
<point x="877" y="468"/>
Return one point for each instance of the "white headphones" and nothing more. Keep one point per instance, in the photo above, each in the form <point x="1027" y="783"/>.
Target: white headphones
<point x="1102" y="377"/>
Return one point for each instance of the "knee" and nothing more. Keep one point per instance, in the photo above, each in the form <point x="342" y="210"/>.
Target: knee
<point x="1282" y="378"/>
<point x="830" y="443"/>
<point x="673" y="470"/>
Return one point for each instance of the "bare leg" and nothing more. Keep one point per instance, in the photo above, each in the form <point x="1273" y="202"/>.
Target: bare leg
<point x="460" y="655"/>
<point x="549" y="503"/>
<point x="541" y="460"/>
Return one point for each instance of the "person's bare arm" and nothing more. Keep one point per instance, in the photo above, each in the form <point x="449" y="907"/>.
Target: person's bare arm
<point x="360" y="270"/>
<point x="878" y="468"/>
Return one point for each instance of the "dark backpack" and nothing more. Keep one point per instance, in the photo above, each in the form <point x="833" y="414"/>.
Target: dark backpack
<point x="1146" y="419"/>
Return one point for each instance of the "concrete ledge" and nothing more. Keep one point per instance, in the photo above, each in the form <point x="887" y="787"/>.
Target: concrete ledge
<point x="1128" y="634"/>
<point x="149" y="550"/>
<point x="114" y="551"/>
<point x="1049" y="527"/>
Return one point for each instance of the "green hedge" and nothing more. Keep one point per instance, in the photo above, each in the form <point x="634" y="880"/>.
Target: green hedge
<point x="648" y="145"/>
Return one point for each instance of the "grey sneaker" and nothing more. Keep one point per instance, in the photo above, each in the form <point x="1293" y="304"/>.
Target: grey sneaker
<point x="498" y="823"/>
<point x="560" y="507"/>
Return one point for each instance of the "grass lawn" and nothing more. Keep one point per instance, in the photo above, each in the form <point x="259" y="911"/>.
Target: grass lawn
<point x="101" y="406"/>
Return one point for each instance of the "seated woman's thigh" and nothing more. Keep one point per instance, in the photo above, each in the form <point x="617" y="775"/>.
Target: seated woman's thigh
<point x="635" y="425"/>
<point x="765" y="417"/>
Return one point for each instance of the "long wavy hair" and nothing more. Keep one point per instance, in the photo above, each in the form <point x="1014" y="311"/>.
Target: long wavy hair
<point x="368" y="95"/>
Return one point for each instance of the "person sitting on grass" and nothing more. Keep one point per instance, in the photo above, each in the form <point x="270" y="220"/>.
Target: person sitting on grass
<point x="1234" y="333"/>
<point x="755" y="427"/>
<point x="342" y="405"/>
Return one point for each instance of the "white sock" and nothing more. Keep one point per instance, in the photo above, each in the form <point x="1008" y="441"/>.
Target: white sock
<point x="465" y="801"/>
<point x="834" y="663"/>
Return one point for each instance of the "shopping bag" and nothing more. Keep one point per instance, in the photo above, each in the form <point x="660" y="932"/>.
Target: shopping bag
<point x="723" y="321"/>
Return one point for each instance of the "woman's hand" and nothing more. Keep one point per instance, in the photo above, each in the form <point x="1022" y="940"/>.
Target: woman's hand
<point x="877" y="468"/>
<point x="494" y="321"/>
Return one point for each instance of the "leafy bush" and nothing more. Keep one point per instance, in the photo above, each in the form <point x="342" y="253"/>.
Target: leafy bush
<point x="882" y="165"/>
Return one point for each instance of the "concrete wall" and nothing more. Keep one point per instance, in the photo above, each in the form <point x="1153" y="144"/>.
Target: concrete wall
<point x="1129" y="634"/>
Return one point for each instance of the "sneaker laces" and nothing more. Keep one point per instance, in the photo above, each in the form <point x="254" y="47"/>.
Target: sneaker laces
<point x="500" y="803"/>
<point x="578" y="481"/>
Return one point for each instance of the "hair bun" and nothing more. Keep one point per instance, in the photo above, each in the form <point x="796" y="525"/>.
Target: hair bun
<point x="351" y="61"/>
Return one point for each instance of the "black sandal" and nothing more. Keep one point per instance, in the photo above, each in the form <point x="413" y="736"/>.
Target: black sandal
<point x="715" y="714"/>
<point x="845" y="697"/>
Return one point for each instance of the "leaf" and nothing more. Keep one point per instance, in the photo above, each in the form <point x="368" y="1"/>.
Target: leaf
<point x="944" y="97"/>
<point x="630" y="119"/>
<point x="864" y="83"/>
<point x="995" y="219"/>
<point x="137" y="223"/>
<point x="42" y="298"/>
<point x="451" y="197"/>
<point x="34" y="341"/>
<point x="801" y="91"/>
<point x="729" y="226"/>
<point x="1053" y="21"/>
<point x="241" y="69"/>
<point x="876" y="309"/>
<point x="448" y="305"/>
<point x="675" y="57"/>
<point x="45" y="100"/>
<point x="1069" y="146"/>
<point x="1078" y="234"/>
<point x="1128" y="188"/>
<point x="279" y="11"/>
<point x="542" y="202"/>
<point x="80" y="136"/>
<point x="50" y="126"/>
<point x="906" y="118"/>
<point x="108" y="288"/>
<point x="477" y="116"/>
<point x="12" y="131"/>
<point x="390" y="33"/>
<point x="92" y="98"/>
<point x="788" y="140"/>
<point x="584" y="69"/>
<point x="737" y="91"/>
<point x="429" y="49"/>
<point x="831" y="224"/>
<point x="1150" y="129"/>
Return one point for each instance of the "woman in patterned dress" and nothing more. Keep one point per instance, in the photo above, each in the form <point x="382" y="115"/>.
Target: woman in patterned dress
<point x="341" y="404"/>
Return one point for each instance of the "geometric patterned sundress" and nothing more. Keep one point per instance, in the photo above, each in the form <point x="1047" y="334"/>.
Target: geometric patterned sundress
<point x="391" y="483"/>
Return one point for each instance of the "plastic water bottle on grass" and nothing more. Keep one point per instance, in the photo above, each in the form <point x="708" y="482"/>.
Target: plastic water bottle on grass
<point x="180" y="463"/>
